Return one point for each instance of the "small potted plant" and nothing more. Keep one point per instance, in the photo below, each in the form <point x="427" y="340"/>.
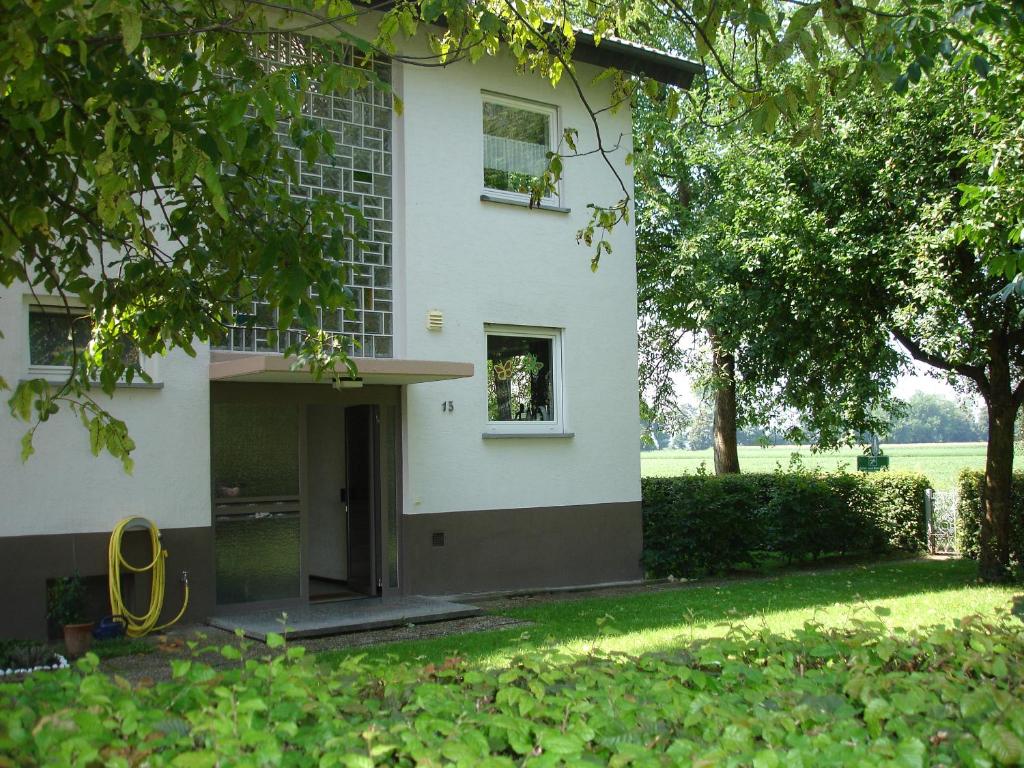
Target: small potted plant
<point x="67" y="609"/>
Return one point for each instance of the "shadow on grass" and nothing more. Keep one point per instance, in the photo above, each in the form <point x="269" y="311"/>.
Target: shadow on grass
<point x="657" y="618"/>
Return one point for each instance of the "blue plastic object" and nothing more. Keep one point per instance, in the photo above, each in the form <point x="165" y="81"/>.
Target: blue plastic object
<point x="109" y="628"/>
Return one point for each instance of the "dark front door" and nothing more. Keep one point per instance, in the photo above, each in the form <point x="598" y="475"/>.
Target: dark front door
<point x="363" y="473"/>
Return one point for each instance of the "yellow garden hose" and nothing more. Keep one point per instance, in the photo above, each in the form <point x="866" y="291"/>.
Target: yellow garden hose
<point x="137" y="626"/>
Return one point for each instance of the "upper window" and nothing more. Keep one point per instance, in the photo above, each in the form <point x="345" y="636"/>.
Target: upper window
<point x="55" y="335"/>
<point x="524" y="379"/>
<point x="517" y="137"/>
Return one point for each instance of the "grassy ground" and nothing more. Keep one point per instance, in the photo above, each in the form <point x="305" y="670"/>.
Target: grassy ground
<point x="122" y="646"/>
<point x="909" y="593"/>
<point x="941" y="462"/>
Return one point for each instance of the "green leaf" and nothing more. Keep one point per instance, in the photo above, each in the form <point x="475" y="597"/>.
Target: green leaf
<point x="766" y="759"/>
<point x="198" y="759"/>
<point x="1002" y="744"/>
<point x="96" y="436"/>
<point x="230" y="652"/>
<point x="800" y="19"/>
<point x="131" y="26"/>
<point x="274" y="640"/>
<point x="759" y="19"/>
<point x="20" y="402"/>
<point x="26" y="217"/>
<point x="211" y="179"/>
<point x="27" y="448"/>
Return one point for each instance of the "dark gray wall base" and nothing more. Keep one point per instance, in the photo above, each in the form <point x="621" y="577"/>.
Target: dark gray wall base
<point x="510" y="549"/>
<point x="27" y="562"/>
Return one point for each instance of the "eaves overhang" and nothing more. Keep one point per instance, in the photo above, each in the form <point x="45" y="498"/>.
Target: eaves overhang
<point x="637" y="59"/>
<point x="614" y="52"/>
<point x="277" y="369"/>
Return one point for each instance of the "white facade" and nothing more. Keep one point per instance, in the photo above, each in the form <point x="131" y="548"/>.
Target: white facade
<point x="572" y="486"/>
<point x="63" y="488"/>
<point x="482" y="263"/>
<point x="479" y="263"/>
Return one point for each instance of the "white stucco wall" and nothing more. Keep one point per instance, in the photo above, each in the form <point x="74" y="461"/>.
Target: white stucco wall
<point x="482" y="262"/>
<point x="63" y="488"/>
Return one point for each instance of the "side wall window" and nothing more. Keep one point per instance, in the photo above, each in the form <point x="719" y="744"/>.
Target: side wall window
<point x="55" y="335"/>
<point x="524" y="379"/>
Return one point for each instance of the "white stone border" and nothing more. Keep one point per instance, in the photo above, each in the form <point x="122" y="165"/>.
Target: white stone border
<point x="62" y="663"/>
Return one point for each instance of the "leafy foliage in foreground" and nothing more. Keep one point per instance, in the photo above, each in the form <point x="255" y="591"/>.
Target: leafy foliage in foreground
<point x="696" y="524"/>
<point x="864" y="696"/>
<point x="969" y="487"/>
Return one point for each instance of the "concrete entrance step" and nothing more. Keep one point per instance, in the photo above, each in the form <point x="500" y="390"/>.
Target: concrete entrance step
<point x="338" y="618"/>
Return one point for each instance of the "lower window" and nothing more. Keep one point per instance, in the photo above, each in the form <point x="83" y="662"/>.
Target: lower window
<point x="56" y="334"/>
<point x="523" y="379"/>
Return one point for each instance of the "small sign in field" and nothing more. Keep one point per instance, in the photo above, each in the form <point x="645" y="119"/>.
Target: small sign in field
<point x="872" y="463"/>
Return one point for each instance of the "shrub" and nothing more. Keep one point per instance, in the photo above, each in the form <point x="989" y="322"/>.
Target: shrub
<point x="66" y="601"/>
<point x="970" y="485"/>
<point x="807" y="516"/>
<point x="696" y="524"/>
<point x="25" y="654"/>
<point x="864" y="696"/>
<point x="897" y="502"/>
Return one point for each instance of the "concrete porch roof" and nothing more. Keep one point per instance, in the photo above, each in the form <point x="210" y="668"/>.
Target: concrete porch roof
<point x="274" y="368"/>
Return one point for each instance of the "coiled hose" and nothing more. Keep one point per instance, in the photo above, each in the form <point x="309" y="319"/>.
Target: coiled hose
<point x="138" y="626"/>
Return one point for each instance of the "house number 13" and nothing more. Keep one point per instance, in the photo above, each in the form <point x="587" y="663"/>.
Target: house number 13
<point x="448" y="406"/>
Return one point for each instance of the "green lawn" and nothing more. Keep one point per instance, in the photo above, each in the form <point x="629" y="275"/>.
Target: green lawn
<point x="941" y="462"/>
<point x="910" y="593"/>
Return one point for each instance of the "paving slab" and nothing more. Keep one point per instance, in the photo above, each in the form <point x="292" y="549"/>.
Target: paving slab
<point x="336" y="618"/>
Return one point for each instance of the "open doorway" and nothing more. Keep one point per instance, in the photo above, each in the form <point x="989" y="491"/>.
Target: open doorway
<point x="343" y="502"/>
<point x="304" y="493"/>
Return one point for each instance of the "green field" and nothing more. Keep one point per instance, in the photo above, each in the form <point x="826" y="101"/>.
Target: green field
<point x="941" y="462"/>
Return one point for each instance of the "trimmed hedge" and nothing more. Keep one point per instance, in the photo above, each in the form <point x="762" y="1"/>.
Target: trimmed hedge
<point x="969" y="486"/>
<point x="867" y="696"/>
<point x="697" y="524"/>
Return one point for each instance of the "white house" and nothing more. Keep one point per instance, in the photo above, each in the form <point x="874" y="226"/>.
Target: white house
<point x="491" y="442"/>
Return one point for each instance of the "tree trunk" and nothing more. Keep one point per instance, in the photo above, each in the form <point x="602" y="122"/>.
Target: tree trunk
<point x="727" y="459"/>
<point x="994" y="565"/>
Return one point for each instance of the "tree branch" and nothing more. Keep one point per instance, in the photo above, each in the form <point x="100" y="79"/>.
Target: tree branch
<point x="973" y="372"/>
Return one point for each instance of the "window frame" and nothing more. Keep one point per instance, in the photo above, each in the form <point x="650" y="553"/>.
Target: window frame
<point x="59" y="373"/>
<point x="527" y="105"/>
<point x="557" y="425"/>
<point x="59" y="311"/>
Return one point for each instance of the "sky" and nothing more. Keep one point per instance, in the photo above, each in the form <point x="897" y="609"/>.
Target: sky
<point x="920" y="382"/>
<point x="906" y="385"/>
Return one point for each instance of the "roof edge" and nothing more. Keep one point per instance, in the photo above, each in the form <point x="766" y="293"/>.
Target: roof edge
<point x="613" y="52"/>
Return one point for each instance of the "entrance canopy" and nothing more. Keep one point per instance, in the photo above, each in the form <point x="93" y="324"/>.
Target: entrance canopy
<point x="272" y="368"/>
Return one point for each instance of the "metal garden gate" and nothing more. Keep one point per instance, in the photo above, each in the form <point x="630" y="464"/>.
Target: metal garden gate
<point x="940" y="516"/>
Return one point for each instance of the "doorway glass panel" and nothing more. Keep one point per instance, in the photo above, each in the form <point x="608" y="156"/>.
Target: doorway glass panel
<point x="255" y="449"/>
<point x="388" y="483"/>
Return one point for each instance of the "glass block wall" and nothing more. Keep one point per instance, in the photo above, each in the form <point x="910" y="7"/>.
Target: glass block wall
<point x="360" y="174"/>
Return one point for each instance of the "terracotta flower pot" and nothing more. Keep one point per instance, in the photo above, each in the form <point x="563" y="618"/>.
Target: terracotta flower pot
<point x="77" y="639"/>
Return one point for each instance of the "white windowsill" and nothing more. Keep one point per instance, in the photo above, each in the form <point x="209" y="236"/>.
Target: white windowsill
<point x="57" y="382"/>
<point x="528" y="435"/>
<point x="523" y="203"/>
